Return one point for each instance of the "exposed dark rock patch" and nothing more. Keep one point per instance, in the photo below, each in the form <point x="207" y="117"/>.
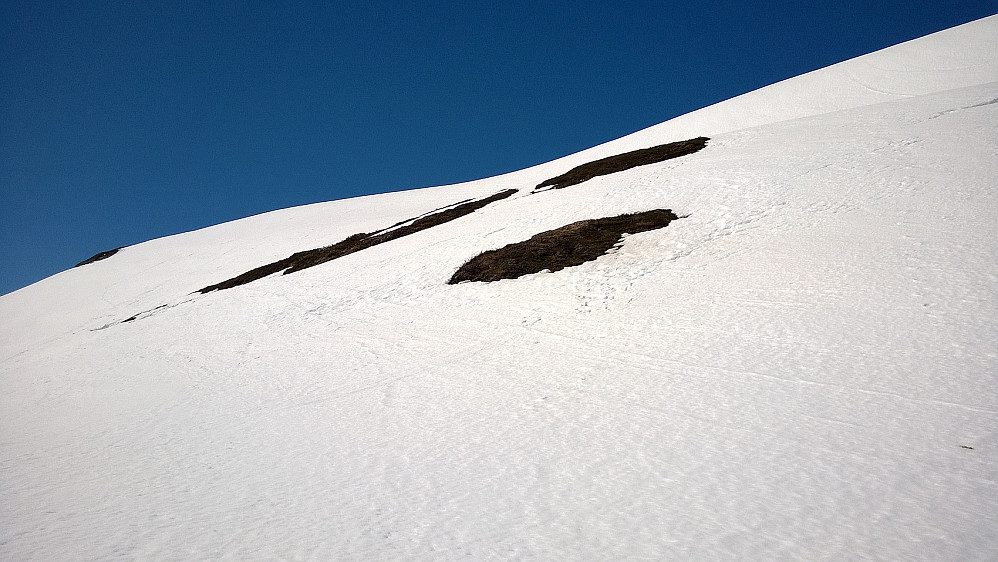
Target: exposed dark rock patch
<point x="139" y="316"/>
<point x="623" y="162"/>
<point x="406" y="221"/>
<point x="99" y="256"/>
<point x="557" y="249"/>
<point x="358" y="242"/>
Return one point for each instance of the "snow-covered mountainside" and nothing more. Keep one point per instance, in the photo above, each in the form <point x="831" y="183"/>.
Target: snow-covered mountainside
<point x="803" y="365"/>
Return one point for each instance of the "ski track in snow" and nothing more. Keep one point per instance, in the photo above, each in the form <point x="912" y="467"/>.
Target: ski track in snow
<point x="804" y="367"/>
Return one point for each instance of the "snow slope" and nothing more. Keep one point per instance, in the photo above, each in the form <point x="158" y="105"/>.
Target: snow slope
<point x="805" y="367"/>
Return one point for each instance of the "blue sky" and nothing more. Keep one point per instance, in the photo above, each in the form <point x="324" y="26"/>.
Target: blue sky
<point x="123" y="122"/>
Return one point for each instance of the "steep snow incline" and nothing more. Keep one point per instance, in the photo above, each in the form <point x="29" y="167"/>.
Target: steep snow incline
<point x="160" y="269"/>
<point x="958" y="57"/>
<point x="804" y="367"/>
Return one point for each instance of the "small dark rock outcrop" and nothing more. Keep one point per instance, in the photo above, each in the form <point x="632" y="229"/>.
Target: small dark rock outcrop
<point x="624" y="161"/>
<point x="557" y="249"/>
<point x="357" y="242"/>
<point x="99" y="256"/>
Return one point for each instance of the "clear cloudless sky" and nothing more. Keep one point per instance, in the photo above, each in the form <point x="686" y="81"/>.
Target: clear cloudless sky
<point x="126" y="121"/>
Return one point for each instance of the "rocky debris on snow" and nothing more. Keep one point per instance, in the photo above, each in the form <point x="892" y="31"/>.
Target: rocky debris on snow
<point x="99" y="256"/>
<point x="622" y="162"/>
<point x="358" y="242"/>
<point x="557" y="249"/>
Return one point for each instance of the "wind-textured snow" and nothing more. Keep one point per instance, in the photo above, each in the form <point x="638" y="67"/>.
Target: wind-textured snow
<point x="805" y="367"/>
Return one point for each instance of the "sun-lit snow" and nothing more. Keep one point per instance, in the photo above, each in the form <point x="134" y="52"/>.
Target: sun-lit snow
<point x="804" y="367"/>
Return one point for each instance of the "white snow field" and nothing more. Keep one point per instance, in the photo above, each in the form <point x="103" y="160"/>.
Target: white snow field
<point x="805" y="367"/>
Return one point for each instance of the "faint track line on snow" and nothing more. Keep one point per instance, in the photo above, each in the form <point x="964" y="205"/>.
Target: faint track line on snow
<point x="903" y="397"/>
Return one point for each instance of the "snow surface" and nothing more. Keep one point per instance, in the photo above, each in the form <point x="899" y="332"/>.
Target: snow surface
<point x="806" y="367"/>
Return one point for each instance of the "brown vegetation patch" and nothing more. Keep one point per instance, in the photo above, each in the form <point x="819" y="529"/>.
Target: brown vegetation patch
<point x="624" y="161"/>
<point x="99" y="256"/>
<point x="557" y="249"/>
<point x="358" y="242"/>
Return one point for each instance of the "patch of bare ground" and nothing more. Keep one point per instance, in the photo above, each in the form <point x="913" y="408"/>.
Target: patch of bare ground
<point x="570" y="245"/>
<point x="358" y="242"/>
<point x="99" y="256"/>
<point x="624" y="161"/>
